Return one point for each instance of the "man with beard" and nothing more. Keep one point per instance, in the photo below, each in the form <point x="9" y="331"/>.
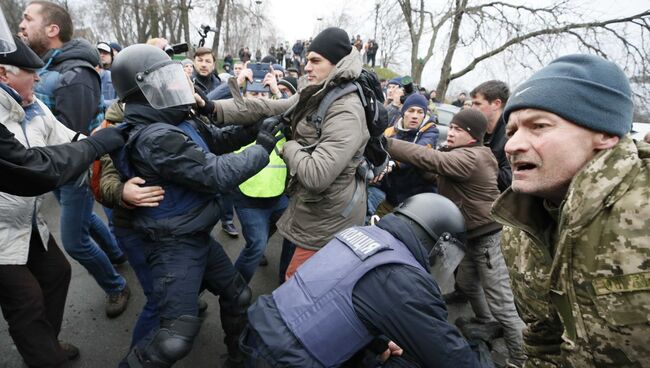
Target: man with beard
<point x="70" y="87"/>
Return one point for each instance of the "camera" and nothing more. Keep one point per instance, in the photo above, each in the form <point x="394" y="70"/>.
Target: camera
<point x="178" y="48"/>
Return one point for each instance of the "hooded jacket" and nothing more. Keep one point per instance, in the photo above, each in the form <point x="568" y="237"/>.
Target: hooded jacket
<point x="70" y="86"/>
<point x="325" y="195"/>
<point x="580" y="273"/>
<point x="407" y="180"/>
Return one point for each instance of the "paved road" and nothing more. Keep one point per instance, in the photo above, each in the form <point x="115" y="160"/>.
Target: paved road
<point x="103" y="342"/>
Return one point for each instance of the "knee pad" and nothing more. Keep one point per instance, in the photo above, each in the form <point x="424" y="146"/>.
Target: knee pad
<point x="236" y="298"/>
<point x="172" y="342"/>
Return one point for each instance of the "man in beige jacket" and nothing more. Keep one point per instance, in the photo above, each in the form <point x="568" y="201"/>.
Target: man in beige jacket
<point x="325" y="194"/>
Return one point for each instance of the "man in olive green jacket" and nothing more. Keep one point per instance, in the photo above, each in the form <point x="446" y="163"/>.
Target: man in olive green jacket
<point x="577" y="230"/>
<point x="325" y="194"/>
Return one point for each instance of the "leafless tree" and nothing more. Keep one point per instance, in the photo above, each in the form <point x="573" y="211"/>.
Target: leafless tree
<point x="13" y="11"/>
<point x="136" y="21"/>
<point x="491" y="28"/>
<point x="391" y="34"/>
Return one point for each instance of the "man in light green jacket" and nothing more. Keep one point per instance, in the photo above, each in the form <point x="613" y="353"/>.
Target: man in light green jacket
<point x="577" y="217"/>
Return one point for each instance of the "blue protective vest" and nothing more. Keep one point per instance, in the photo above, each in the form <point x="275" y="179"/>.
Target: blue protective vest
<point x="316" y="303"/>
<point x="178" y="199"/>
<point x="50" y="80"/>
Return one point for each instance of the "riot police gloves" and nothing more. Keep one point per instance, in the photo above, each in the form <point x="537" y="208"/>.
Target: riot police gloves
<point x="208" y="107"/>
<point x="107" y="140"/>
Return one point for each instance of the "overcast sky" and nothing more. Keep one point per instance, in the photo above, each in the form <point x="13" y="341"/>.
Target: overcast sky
<point x="298" y="19"/>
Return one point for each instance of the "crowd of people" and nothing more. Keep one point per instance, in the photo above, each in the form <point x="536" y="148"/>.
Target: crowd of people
<point x="535" y="204"/>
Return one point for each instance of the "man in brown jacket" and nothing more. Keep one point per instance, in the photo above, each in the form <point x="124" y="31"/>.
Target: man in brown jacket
<point x="326" y="197"/>
<point x="467" y="174"/>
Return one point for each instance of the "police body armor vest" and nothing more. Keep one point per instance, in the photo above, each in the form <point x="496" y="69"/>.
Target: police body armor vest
<point x="316" y="303"/>
<point x="178" y="200"/>
<point x="50" y="80"/>
<point x="270" y="181"/>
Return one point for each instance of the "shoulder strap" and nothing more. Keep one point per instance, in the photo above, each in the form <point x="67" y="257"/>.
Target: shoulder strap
<point x="330" y="97"/>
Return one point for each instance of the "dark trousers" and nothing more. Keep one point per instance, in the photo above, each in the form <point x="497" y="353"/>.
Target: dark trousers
<point x="32" y="298"/>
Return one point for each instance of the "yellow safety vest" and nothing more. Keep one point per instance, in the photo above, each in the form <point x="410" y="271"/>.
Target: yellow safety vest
<point x="270" y="181"/>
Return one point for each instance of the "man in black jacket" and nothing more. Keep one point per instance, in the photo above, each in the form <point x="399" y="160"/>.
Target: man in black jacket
<point x="490" y="98"/>
<point x="368" y="286"/>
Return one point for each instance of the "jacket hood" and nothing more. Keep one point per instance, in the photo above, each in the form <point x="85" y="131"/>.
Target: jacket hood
<point x="347" y="69"/>
<point x="74" y="49"/>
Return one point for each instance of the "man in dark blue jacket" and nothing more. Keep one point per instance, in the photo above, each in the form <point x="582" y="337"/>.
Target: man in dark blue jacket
<point x="368" y="286"/>
<point x="71" y="88"/>
<point x="169" y="149"/>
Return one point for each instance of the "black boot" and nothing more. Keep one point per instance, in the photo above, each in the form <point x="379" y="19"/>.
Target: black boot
<point x="234" y="302"/>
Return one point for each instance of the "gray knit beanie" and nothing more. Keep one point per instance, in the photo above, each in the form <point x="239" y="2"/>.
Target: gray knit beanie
<point x="584" y="89"/>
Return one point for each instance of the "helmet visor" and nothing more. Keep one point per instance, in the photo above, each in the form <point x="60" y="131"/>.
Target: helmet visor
<point x="166" y="86"/>
<point x="7" y="44"/>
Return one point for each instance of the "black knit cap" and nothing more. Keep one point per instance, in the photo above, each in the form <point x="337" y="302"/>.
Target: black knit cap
<point x="332" y="43"/>
<point x="23" y="57"/>
<point x="473" y="122"/>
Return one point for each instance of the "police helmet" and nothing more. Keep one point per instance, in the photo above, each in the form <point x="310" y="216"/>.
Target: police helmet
<point x="436" y="215"/>
<point x="148" y="70"/>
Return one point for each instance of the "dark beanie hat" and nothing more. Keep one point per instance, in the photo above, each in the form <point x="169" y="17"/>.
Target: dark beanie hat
<point x="23" y="57"/>
<point x="473" y="122"/>
<point x="584" y="89"/>
<point x="332" y="43"/>
<point x="396" y="80"/>
<point x="415" y="99"/>
<point x="289" y="82"/>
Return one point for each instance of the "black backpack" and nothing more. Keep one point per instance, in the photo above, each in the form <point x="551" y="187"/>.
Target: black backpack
<point x="369" y="90"/>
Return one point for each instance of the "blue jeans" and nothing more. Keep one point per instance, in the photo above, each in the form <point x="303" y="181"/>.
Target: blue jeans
<point x="255" y="225"/>
<point x="149" y="320"/>
<point x="375" y="197"/>
<point x="103" y="235"/>
<point x="226" y="205"/>
<point x="76" y="211"/>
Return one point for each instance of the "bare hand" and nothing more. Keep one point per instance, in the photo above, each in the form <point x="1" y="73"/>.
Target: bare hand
<point x="393" y="350"/>
<point x="245" y="75"/>
<point x="135" y="195"/>
<point x="387" y="170"/>
<point x="272" y="83"/>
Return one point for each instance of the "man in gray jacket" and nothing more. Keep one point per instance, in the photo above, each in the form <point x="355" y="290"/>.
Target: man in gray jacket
<point x="467" y="174"/>
<point x="325" y="194"/>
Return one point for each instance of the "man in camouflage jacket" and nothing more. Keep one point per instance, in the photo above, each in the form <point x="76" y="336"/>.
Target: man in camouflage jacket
<point x="576" y="237"/>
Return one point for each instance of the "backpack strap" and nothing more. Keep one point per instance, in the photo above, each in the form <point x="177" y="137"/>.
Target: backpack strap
<point x="330" y="97"/>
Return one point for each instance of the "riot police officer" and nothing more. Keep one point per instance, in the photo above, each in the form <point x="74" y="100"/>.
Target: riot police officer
<point x="369" y="285"/>
<point x="166" y="147"/>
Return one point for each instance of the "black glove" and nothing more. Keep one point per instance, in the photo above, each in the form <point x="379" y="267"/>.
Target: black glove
<point x="269" y="124"/>
<point x="107" y="140"/>
<point x="267" y="139"/>
<point x="208" y="108"/>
